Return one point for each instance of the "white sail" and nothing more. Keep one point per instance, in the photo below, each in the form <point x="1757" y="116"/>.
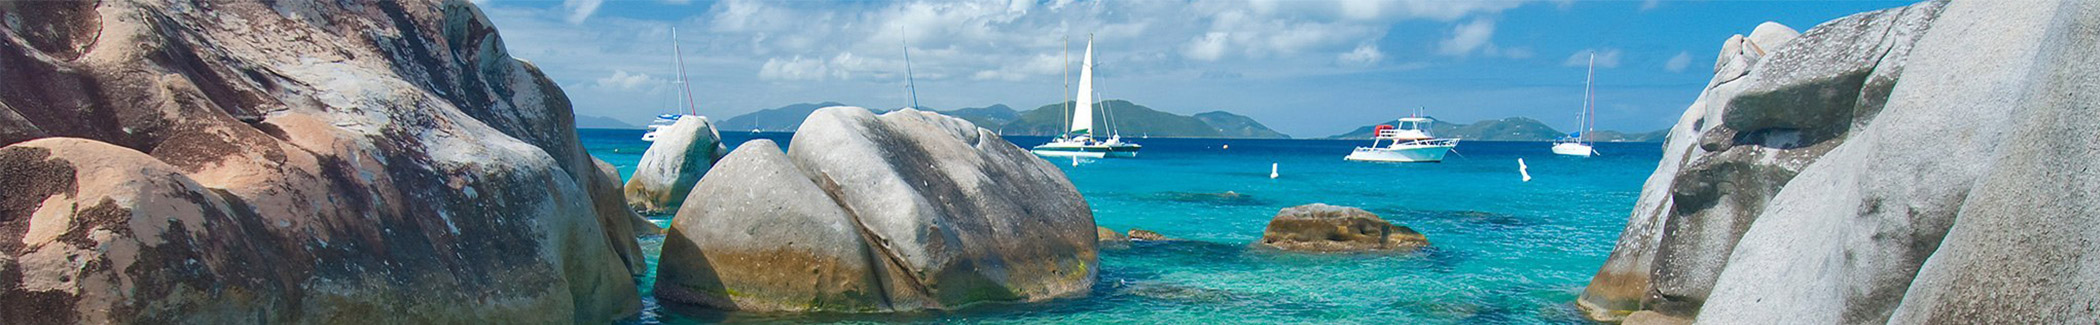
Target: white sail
<point x="1083" y="109"/>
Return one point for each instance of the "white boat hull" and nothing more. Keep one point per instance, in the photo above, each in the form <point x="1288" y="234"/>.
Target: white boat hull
<point x="1573" y="149"/>
<point x="1087" y="151"/>
<point x="1401" y="153"/>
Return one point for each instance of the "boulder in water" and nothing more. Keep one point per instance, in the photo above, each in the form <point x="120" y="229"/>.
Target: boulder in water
<point x="1107" y="235"/>
<point x="289" y="162"/>
<point x="908" y="210"/>
<point x="1141" y="234"/>
<point x="1319" y="227"/>
<point x="681" y="154"/>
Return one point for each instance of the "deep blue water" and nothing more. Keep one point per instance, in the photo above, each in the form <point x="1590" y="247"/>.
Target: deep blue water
<point x="1505" y="251"/>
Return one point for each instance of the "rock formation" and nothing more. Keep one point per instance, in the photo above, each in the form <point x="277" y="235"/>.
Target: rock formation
<point x="908" y="210"/>
<point x="1141" y="234"/>
<point x="1108" y="235"/>
<point x="681" y="154"/>
<point x="293" y="162"/>
<point x="1320" y="227"/>
<point x="1919" y="164"/>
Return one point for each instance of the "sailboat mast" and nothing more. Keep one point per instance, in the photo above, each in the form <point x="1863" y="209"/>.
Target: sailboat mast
<point x="1067" y="57"/>
<point x="692" y="108"/>
<point x="910" y="81"/>
<point x="1588" y="101"/>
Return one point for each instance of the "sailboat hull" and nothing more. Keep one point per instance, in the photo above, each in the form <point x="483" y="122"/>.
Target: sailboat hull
<point x="1087" y="150"/>
<point x="1573" y="149"/>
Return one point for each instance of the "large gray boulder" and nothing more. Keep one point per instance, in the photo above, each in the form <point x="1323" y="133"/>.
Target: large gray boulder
<point x="1933" y="152"/>
<point x="681" y="154"/>
<point x="941" y="214"/>
<point x="293" y="162"/>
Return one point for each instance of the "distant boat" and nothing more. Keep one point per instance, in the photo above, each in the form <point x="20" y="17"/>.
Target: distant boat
<point x="1078" y="139"/>
<point x="1573" y="145"/>
<point x="687" y="108"/>
<point x="1409" y="141"/>
<point x="662" y="121"/>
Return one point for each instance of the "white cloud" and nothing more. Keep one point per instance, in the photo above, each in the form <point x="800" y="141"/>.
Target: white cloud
<point x="1680" y="62"/>
<point x="795" y="68"/>
<point x="1208" y="47"/>
<point x="624" y="81"/>
<point x="580" y="9"/>
<point x="1365" y="55"/>
<point x="1468" y="37"/>
<point x="1606" y="58"/>
<point x="1650" y="4"/>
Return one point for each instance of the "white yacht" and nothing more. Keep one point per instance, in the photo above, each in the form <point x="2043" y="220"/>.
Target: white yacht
<point x="662" y="121"/>
<point x="1408" y="142"/>
<point x="687" y="108"/>
<point x="1574" y="144"/>
<point x="1078" y="140"/>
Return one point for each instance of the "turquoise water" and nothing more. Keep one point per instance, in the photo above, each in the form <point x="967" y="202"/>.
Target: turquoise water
<point x="1505" y="251"/>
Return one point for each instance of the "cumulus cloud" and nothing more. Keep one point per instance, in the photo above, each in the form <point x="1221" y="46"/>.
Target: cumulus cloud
<point x="1468" y="37"/>
<point x="580" y="9"/>
<point x="1650" y="4"/>
<point x="1606" y="58"/>
<point x="1365" y="55"/>
<point x="624" y="81"/>
<point x="1680" y="62"/>
<point x="1208" y="47"/>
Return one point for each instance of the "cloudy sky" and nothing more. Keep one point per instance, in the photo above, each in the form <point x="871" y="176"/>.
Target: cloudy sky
<point x="1306" y="68"/>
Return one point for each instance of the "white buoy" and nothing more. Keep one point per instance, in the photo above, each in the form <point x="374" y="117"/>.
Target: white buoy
<point x="1075" y="161"/>
<point x="1523" y="170"/>
<point x="1225" y="147"/>
<point x="1272" y="170"/>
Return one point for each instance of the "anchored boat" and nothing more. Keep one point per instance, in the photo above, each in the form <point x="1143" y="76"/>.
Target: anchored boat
<point x="1078" y="140"/>
<point x="687" y="108"/>
<point x="1409" y="141"/>
<point x="1574" y="144"/>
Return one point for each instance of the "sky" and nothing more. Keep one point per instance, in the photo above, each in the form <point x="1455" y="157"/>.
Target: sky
<point x="1305" y="68"/>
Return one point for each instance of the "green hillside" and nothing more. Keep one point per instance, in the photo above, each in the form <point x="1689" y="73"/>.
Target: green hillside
<point x="1136" y="120"/>
<point x="1509" y="129"/>
<point x="990" y="117"/>
<point x="784" y="118"/>
<point x="1237" y="126"/>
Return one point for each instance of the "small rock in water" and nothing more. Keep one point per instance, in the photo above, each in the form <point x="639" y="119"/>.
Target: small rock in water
<point x="1141" y="234"/>
<point x="1320" y="227"/>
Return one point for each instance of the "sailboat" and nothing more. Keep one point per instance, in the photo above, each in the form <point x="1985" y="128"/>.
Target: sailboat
<point x="1078" y="139"/>
<point x="1574" y="144"/>
<point x="686" y="109"/>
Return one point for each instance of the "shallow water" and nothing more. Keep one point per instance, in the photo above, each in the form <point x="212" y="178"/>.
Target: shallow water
<point x="1505" y="251"/>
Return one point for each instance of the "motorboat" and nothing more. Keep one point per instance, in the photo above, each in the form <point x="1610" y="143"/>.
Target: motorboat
<point x="1409" y="141"/>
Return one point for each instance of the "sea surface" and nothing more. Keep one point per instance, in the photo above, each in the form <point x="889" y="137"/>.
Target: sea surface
<point x="1505" y="251"/>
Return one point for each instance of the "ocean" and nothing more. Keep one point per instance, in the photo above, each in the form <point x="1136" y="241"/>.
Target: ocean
<point x="1505" y="251"/>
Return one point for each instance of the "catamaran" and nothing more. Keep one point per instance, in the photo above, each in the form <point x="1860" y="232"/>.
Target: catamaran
<point x="687" y="109"/>
<point x="1078" y="139"/>
<point x="1574" y="144"/>
<point x="1409" y="141"/>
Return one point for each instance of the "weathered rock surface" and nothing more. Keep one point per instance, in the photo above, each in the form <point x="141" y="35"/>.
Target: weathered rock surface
<point x="908" y="210"/>
<point x="1320" y="227"/>
<point x="681" y="154"/>
<point x="293" y="162"/>
<point x="1141" y="234"/>
<point x="1107" y="235"/>
<point x="1874" y="221"/>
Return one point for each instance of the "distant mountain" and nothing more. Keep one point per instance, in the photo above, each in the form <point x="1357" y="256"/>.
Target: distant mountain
<point x="1616" y="136"/>
<point x="1236" y="126"/>
<point x="1509" y="129"/>
<point x="784" y="118"/>
<point x="990" y="117"/>
<point x="601" y="122"/>
<point x="1135" y="120"/>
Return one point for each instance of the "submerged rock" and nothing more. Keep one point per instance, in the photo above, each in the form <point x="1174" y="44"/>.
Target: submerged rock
<point x="1141" y="234"/>
<point x="293" y="162"/>
<point x="1320" y="227"/>
<point x="908" y="210"/>
<point x="1844" y="206"/>
<point x="681" y="154"/>
<point x="1107" y="235"/>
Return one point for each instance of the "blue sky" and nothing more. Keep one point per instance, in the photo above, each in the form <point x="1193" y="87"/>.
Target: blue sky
<point x="1306" y="68"/>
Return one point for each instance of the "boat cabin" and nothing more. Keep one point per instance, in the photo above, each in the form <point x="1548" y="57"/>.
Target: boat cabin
<point x="1412" y="128"/>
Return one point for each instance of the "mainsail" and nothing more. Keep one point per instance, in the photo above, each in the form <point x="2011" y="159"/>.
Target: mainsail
<point x="1083" y="111"/>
